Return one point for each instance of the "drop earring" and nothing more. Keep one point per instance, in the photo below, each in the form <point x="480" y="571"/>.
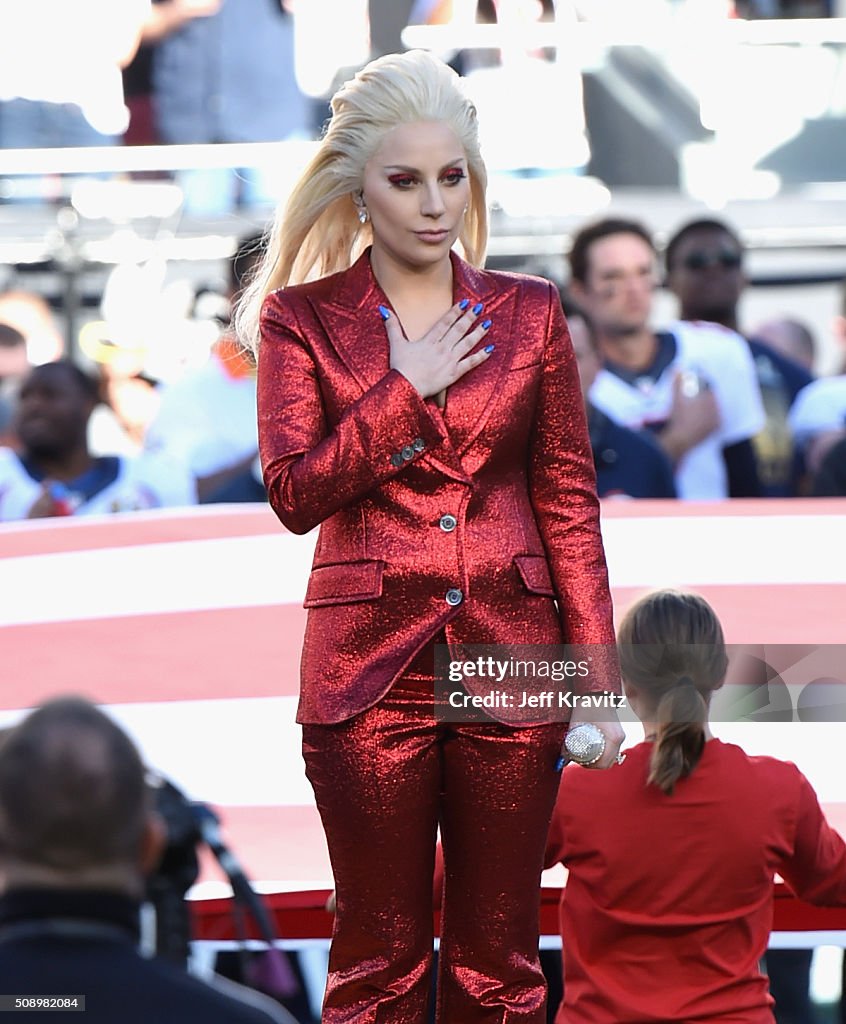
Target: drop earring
<point x="358" y="199"/>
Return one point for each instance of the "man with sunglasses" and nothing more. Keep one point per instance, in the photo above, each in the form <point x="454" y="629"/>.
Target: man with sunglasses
<point x="692" y="385"/>
<point x="704" y="264"/>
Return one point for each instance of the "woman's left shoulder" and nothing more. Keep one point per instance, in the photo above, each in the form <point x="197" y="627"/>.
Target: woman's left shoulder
<point x="483" y="281"/>
<point x="526" y="288"/>
<point x="530" y="285"/>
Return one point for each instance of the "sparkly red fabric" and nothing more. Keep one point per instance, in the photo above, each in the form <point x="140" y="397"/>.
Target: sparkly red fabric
<point x="383" y="781"/>
<point x="477" y="525"/>
<point x="348" y="443"/>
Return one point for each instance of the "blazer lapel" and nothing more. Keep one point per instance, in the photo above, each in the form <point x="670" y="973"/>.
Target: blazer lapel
<point x="350" y="317"/>
<point x="470" y="399"/>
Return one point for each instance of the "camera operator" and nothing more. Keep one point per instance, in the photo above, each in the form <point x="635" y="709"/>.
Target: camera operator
<point x="78" y="835"/>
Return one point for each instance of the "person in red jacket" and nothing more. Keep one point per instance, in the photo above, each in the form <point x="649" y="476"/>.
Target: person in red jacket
<point x="668" y="902"/>
<point x="426" y="414"/>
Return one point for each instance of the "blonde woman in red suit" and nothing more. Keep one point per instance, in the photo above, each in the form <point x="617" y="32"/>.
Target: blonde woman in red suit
<point x="668" y="904"/>
<point x="427" y="415"/>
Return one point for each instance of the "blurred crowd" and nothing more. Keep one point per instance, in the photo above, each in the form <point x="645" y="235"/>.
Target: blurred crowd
<point x="701" y="407"/>
<point x="139" y="414"/>
<point x="101" y="434"/>
<point x="155" y="71"/>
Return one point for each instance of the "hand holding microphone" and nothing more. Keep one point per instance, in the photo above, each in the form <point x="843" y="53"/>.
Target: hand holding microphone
<point x="585" y="744"/>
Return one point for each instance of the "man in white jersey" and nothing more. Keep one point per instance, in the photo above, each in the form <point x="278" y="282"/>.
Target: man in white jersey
<point x="51" y="472"/>
<point x="693" y="385"/>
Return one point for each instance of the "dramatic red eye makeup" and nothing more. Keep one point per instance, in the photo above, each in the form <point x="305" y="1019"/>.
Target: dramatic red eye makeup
<point x="451" y="175"/>
<point x="403" y="180"/>
<point x="454" y="174"/>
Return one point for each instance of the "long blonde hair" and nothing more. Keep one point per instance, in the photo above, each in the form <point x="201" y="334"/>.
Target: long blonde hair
<point x="318" y="231"/>
<point x="672" y="649"/>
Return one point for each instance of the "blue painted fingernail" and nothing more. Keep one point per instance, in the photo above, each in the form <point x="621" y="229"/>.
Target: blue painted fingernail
<point x="486" y="323"/>
<point x="489" y="348"/>
<point x="464" y="304"/>
<point x="385" y="313"/>
<point x="477" y="309"/>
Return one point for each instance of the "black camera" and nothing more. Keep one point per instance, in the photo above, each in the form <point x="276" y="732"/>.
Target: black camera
<point x="176" y="872"/>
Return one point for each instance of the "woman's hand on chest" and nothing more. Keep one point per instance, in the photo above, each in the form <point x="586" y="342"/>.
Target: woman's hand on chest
<point x="444" y="353"/>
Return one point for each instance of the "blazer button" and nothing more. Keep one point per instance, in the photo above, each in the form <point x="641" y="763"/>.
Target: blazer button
<point x="454" y="597"/>
<point x="407" y="453"/>
<point x="396" y="459"/>
<point x="448" y="523"/>
<point x="418" y="444"/>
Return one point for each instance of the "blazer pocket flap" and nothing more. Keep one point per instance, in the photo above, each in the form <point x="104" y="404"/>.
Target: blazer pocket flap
<point x="534" y="572"/>
<point x="344" y="583"/>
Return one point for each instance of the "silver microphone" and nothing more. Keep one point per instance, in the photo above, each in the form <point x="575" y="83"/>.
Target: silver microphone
<point x="584" y="744"/>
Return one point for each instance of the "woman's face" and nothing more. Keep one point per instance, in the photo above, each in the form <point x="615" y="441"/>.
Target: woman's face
<point x="416" y="188"/>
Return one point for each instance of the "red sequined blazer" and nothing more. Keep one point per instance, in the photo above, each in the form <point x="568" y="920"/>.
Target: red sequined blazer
<point x="482" y="520"/>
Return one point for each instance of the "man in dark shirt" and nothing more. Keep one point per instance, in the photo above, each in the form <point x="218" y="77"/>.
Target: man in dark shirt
<point x="704" y="265"/>
<point x="78" y="836"/>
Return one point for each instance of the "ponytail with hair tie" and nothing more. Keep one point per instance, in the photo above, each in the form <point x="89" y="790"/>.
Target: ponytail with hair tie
<point x="672" y="649"/>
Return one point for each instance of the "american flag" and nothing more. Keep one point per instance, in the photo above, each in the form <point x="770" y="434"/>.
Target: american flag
<point x="185" y="625"/>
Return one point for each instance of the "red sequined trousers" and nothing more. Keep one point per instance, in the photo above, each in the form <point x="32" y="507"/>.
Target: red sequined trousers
<point x="384" y="781"/>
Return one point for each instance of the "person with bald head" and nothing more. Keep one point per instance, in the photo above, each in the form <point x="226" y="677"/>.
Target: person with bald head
<point x="78" y="836"/>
